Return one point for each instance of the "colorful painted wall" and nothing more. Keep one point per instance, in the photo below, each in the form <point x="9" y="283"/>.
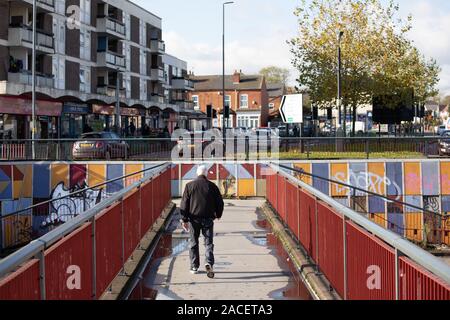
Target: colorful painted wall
<point x="424" y="183"/>
<point x="25" y="184"/>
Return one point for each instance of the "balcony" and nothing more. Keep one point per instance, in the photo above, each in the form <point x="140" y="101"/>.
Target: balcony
<point x="185" y="105"/>
<point x="25" y="77"/>
<point x="22" y="36"/>
<point x="110" y="91"/>
<point x="157" y="98"/>
<point x="46" y="5"/>
<point x="182" y="84"/>
<point x="157" y="46"/>
<point x="111" y="26"/>
<point x="111" y="60"/>
<point x="157" y="75"/>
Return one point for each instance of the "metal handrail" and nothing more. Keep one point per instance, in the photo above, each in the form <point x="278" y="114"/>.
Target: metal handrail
<point x="415" y="253"/>
<point x="430" y="138"/>
<point x="35" y="247"/>
<point x="302" y="172"/>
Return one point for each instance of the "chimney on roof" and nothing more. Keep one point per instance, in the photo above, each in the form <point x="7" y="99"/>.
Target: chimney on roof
<point x="237" y="77"/>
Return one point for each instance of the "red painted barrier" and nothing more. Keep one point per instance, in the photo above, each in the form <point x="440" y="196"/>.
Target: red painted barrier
<point x="147" y="207"/>
<point x="370" y="266"/>
<point x="108" y="244"/>
<point x="22" y="284"/>
<point x="292" y="208"/>
<point x="418" y="284"/>
<point x="131" y="220"/>
<point x="71" y="258"/>
<point x="307" y="223"/>
<point x="281" y="197"/>
<point x="331" y="246"/>
<point x="73" y="251"/>
<point x="370" y="261"/>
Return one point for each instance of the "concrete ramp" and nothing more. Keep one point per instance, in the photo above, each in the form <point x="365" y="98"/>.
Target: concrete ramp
<point x="246" y="267"/>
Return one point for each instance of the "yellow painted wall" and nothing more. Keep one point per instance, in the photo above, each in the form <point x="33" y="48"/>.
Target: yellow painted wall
<point x="59" y="173"/>
<point x="246" y="188"/>
<point x="23" y="188"/>
<point x="96" y="174"/>
<point x="339" y="172"/>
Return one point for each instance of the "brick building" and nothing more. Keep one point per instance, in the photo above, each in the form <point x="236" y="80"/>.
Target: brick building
<point x="246" y="95"/>
<point x="78" y="65"/>
<point x="276" y="91"/>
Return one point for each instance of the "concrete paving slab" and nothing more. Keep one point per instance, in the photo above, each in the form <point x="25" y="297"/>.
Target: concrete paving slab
<point x="245" y="267"/>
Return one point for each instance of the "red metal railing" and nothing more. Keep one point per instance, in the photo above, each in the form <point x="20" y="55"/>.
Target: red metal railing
<point x="83" y="264"/>
<point x="358" y="264"/>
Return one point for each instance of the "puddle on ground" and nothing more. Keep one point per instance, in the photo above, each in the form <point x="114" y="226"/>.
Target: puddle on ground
<point x="171" y="246"/>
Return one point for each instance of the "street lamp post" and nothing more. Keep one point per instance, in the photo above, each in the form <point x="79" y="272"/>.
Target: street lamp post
<point x="341" y="33"/>
<point x="118" y="119"/>
<point x="33" y="85"/>
<point x="225" y="108"/>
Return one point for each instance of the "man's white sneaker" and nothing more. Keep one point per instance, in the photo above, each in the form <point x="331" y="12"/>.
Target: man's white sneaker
<point x="194" y="270"/>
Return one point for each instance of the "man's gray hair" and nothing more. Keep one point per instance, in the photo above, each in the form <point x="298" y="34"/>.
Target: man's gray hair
<point x="201" y="171"/>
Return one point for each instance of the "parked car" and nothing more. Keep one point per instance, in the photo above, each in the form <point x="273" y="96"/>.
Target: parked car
<point x="441" y="130"/>
<point x="444" y="144"/>
<point x="100" y="145"/>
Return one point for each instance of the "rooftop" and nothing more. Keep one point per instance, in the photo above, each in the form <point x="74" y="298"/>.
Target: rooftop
<point x="214" y="82"/>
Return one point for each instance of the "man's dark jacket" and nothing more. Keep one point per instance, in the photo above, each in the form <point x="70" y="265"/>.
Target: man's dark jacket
<point x="201" y="199"/>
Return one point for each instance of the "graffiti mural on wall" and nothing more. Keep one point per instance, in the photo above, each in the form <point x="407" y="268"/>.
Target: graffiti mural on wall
<point x="366" y="181"/>
<point x="65" y="206"/>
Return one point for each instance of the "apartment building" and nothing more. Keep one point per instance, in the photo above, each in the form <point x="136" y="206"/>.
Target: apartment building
<point x="87" y="51"/>
<point x="246" y="95"/>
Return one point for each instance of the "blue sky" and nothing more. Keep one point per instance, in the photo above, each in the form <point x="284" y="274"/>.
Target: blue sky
<point x="257" y="31"/>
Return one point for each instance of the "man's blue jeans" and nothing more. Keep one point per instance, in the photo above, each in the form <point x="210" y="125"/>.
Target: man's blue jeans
<point x="206" y="227"/>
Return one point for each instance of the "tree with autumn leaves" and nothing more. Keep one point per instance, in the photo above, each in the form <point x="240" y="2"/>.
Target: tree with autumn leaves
<point x="377" y="56"/>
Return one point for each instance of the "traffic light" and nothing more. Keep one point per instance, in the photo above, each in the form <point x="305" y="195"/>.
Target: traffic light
<point x="315" y="113"/>
<point x="227" y="112"/>
<point x="209" y="111"/>
<point x="330" y="114"/>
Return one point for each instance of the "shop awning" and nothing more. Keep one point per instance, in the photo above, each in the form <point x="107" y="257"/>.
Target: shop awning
<point x="18" y="106"/>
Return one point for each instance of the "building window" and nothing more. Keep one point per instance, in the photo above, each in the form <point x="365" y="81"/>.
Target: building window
<point x="248" y="122"/>
<point x="271" y="105"/>
<point x="143" y="62"/>
<point x="196" y="104"/>
<point x="228" y="101"/>
<point x="85" y="45"/>
<point x="85" y="79"/>
<point x="244" y="101"/>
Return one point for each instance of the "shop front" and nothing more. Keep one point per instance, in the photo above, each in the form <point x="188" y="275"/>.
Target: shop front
<point x="130" y="118"/>
<point x="16" y="118"/>
<point x="76" y="120"/>
<point x="170" y="119"/>
<point x="133" y="120"/>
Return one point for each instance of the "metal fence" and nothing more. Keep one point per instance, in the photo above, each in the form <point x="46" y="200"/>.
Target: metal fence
<point x="24" y="225"/>
<point x="435" y="234"/>
<point x="160" y="149"/>
<point x="362" y="260"/>
<point x="98" y="243"/>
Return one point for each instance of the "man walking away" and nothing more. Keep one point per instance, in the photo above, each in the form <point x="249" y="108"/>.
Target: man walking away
<point x="202" y="203"/>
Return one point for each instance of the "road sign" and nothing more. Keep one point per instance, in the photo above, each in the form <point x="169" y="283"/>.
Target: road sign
<point x="291" y="109"/>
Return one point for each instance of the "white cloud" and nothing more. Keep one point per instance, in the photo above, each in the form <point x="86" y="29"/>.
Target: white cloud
<point x="250" y="56"/>
<point x="430" y="34"/>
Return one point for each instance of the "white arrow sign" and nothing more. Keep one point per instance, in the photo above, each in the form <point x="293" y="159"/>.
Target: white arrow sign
<point x="291" y="109"/>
